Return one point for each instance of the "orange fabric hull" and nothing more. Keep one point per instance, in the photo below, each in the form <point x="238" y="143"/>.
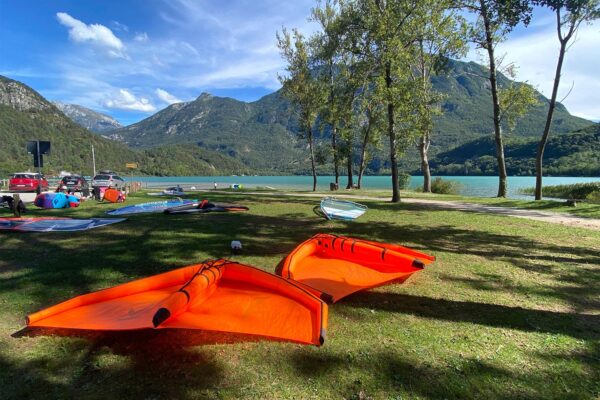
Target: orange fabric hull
<point x="112" y="195"/>
<point x="333" y="267"/>
<point x="219" y="296"/>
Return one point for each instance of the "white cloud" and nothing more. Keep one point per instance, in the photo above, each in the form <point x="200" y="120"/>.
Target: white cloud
<point x="98" y="35"/>
<point x="141" y="37"/>
<point x="125" y="100"/>
<point x="166" y="96"/>
<point x="119" y="26"/>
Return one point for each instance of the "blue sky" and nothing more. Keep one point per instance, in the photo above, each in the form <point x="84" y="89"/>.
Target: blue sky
<point x="131" y="58"/>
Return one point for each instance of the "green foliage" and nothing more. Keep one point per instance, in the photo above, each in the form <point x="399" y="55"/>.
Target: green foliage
<point x="441" y="186"/>
<point x="403" y="180"/>
<point x="577" y="191"/>
<point x="515" y="99"/>
<point x="576" y="154"/>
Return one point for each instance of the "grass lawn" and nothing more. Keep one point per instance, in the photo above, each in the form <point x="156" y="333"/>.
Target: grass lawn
<point x="583" y="209"/>
<point x="510" y="309"/>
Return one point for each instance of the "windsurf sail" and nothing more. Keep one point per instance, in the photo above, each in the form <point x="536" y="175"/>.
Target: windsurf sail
<point x="333" y="267"/>
<point x="152" y="207"/>
<point x="54" y="224"/>
<point x="205" y="206"/>
<point x="218" y="295"/>
<point x="341" y="209"/>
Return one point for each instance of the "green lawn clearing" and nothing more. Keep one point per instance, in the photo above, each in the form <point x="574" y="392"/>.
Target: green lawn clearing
<point x="510" y="309"/>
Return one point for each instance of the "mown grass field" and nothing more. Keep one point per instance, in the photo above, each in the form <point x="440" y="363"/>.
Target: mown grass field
<point x="510" y="309"/>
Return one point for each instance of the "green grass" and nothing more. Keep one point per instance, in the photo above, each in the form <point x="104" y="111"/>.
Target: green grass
<point x="510" y="309"/>
<point x="583" y="209"/>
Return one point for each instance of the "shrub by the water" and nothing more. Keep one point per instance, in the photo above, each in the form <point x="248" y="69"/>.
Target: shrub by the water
<point x="403" y="180"/>
<point x="576" y="191"/>
<point x="440" y="186"/>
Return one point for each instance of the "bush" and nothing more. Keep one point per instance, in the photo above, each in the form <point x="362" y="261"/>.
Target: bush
<point x="403" y="180"/>
<point x="576" y="191"/>
<point x="440" y="186"/>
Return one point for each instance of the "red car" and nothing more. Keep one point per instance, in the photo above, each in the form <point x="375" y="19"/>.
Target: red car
<point x="27" y="182"/>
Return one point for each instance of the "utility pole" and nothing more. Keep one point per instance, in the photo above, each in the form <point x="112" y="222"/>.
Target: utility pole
<point x="93" y="161"/>
<point x="37" y="142"/>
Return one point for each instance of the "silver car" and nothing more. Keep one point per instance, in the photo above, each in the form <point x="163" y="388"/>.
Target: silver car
<point x="108" y="179"/>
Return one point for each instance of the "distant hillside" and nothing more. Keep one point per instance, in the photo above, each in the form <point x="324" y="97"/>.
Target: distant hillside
<point x="258" y="135"/>
<point x="25" y="115"/>
<point x="263" y="135"/>
<point x="89" y="119"/>
<point x="575" y="154"/>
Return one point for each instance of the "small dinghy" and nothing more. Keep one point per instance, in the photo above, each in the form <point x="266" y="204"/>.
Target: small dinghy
<point x="46" y="224"/>
<point x="341" y="209"/>
<point x="217" y="295"/>
<point x="333" y="267"/>
<point x="153" y="207"/>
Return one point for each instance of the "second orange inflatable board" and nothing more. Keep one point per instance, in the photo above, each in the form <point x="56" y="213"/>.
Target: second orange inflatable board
<point x="333" y="267"/>
<point x="218" y="295"/>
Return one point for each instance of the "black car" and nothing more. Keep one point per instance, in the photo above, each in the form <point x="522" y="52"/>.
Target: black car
<point x="75" y="183"/>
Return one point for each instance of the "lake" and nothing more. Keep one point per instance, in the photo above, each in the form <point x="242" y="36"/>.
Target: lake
<point x="477" y="186"/>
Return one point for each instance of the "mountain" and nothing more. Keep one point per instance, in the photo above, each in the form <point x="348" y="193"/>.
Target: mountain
<point x="263" y="134"/>
<point x="574" y="154"/>
<point x="26" y="115"/>
<point x="89" y="119"/>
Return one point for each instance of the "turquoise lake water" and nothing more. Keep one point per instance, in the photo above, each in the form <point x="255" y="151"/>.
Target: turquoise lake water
<point x="478" y="186"/>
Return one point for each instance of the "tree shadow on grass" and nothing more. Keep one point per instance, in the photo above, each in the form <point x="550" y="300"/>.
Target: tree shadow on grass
<point x="158" y="364"/>
<point x="362" y="373"/>
<point x="579" y="326"/>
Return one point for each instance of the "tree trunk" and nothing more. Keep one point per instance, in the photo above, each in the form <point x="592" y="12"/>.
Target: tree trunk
<point x="350" y="175"/>
<point x="336" y="161"/>
<point x="502" y="187"/>
<point x="392" y="135"/>
<point x="423" y="148"/>
<point x="363" y="153"/>
<point x="544" y="140"/>
<point x="425" y="131"/>
<point x="333" y="126"/>
<point x="312" y="159"/>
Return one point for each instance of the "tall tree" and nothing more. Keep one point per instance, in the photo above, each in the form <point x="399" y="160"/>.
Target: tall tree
<point x="385" y="30"/>
<point x="300" y="86"/>
<point x="368" y="119"/>
<point x="570" y="14"/>
<point x="327" y="50"/>
<point x="441" y="34"/>
<point x="496" y="18"/>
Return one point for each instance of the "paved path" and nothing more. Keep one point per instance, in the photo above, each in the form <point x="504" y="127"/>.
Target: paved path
<point x="546" y="216"/>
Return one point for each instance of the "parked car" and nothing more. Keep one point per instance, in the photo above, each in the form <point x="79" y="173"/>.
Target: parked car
<point x="27" y="182"/>
<point x="75" y="183"/>
<point x="106" y="179"/>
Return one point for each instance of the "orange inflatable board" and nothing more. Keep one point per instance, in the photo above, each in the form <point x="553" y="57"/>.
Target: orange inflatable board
<point x="217" y="295"/>
<point x="333" y="267"/>
<point x="114" y="196"/>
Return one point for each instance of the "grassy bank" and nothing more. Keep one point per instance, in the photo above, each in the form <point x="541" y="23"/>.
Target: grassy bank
<point x="510" y="309"/>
